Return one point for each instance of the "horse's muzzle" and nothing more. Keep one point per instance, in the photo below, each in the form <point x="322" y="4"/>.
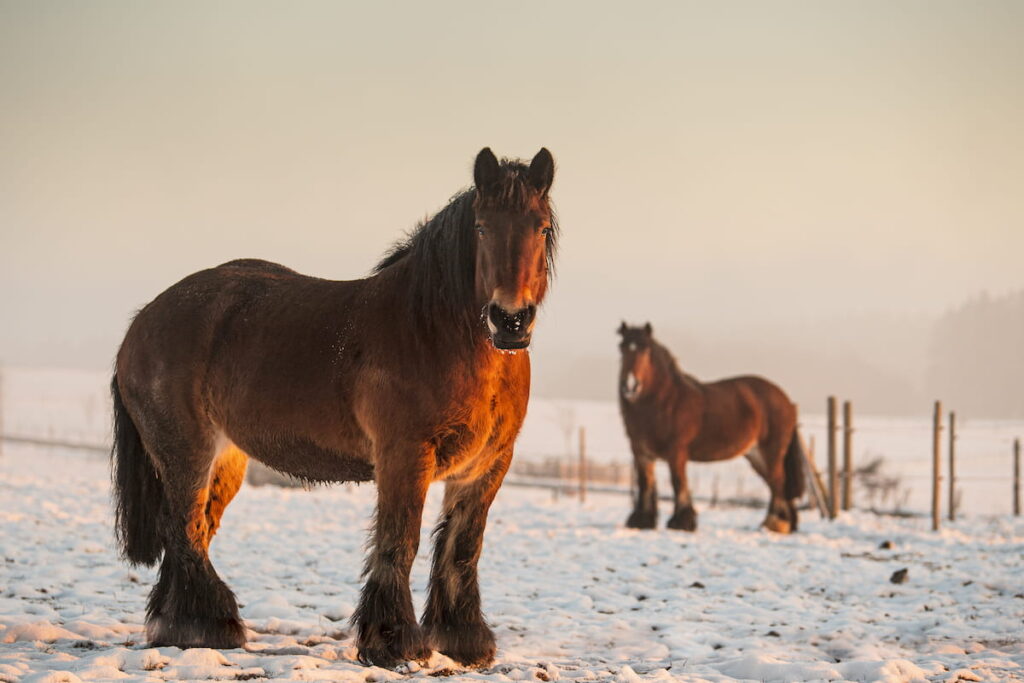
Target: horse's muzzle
<point x="511" y="331"/>
<point x="630" y="387"/>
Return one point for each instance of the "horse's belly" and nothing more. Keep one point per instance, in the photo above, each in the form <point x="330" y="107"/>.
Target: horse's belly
<point x="724" y="447"/>
<point x="307" y="460"/>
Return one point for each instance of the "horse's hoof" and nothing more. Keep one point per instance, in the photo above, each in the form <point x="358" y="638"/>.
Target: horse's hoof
<point x="219" y="634"/>
<point x="389" y="646"/>
<point x="470" y="645"/>
<point x="684" y="520"/>
<point x="642" y="520"/>
<point x="778" y="525"/>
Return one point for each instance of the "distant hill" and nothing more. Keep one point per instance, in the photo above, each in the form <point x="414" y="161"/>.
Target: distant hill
<point x="976" y="358"/>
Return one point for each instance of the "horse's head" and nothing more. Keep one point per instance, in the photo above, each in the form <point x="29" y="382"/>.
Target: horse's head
<point x="516" y="234"/>
<point x="637" y="372"/>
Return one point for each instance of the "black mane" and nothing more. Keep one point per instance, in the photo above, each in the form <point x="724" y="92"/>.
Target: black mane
<point x="667" y="361"/>
<point x="436" y="236"/>
<point x="440" y="253"/>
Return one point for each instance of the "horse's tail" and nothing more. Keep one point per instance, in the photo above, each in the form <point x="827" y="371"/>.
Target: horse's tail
<point x="794" y="463"/>
<point x="138" y="493"/>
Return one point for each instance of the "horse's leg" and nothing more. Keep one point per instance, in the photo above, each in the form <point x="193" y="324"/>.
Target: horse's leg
<point x="452" y="617"/>
<point x="189" y="606"/>
<point x="225" y="480"/>
<point x="684" y="517"/>
<point x="645" y="508"/>
<point x="387" y="632"/>
<point x="770" y="455"/>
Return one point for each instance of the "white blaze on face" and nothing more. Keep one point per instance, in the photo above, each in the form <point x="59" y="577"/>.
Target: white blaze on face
<point x="632" y="386"/>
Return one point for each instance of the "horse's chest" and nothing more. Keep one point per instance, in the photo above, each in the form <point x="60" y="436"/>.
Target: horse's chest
<point x="468" y="447"/>
<point x="659" y="442"/>
<point x="652" y="432"/>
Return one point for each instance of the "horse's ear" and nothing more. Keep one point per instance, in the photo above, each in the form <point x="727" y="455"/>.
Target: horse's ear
<point x="622" y="328"/>
<point x="485" y="170"/>
<point x="648" y="329"/>
<point x="542" y="171"/>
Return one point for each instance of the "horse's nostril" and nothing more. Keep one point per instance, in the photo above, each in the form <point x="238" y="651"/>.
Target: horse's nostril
<point x="496" y="315"/>
<point x="513" y="323"/>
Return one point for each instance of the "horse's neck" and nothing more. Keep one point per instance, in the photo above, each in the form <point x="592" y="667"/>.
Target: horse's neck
<point x="437" y="325"/>
<point x="673" y="382"/>
<point x="691" y="383"/>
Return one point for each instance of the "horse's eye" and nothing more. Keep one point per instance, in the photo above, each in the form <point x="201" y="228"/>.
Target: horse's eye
<point x="480" y="230"/>
<point x="547" y="232"/>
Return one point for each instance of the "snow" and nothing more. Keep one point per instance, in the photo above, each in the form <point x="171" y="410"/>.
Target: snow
<point x="571" y="594"/>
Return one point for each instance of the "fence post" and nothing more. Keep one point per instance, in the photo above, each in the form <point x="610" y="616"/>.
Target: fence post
<point x="833" y="473"/>
<point x="936" y="464"/>
<point x="847" y="455"/>
<point x="814" y="481"/>
<point x="952" y="466"/>
<point x="583" y="464"/>
<point x="1016" y="477"/>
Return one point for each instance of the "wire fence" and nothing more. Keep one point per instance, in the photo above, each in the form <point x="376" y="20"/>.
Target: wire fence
<point x="982" y="478"/>
<point x="892" y="458"/>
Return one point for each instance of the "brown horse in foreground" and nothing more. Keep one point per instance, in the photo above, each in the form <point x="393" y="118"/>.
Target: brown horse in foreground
<point x="671" y="416"/>
<point x="406" y="377"/>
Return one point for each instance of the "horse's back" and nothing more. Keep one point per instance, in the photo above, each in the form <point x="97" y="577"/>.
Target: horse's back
<point x="762" y="389"/>
<point x="169" y="345"/>
<point x="768" y="397"/>
<point x="218" y="322"/>
<point x="184" y="317"/>
<point x="245" y="351"/>
<point x="740" y="412"/>
<point x="258" y="266"/>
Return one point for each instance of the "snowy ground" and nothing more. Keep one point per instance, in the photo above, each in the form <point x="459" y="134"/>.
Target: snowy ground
<point x="571" y="594"/>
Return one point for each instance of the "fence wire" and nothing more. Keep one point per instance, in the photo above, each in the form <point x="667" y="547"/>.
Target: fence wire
<point x="892" y="457"/>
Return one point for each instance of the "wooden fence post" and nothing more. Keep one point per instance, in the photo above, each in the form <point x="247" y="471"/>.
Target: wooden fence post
<point x="952" y="466"/>
<point x="814" y="482"/>
<point x="936" y="464"/>
<point x="847" y="455"/>
<point x="833" y="473"/>
<point x="583" y="464"/>
<point x="1016" y="477"/>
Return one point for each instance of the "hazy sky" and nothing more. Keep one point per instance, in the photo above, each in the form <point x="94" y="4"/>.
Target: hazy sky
<point x="723" y="168"/>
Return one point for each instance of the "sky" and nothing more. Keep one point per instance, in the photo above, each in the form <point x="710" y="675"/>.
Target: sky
<point x="816" y="177"/>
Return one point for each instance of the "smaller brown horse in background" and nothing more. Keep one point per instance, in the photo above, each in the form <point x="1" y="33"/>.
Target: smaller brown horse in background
<point x="670" y="415"/>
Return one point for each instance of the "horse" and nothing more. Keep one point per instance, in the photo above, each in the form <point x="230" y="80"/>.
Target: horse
<point x="672" y="416"/>
<point x="408" y="376"/>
